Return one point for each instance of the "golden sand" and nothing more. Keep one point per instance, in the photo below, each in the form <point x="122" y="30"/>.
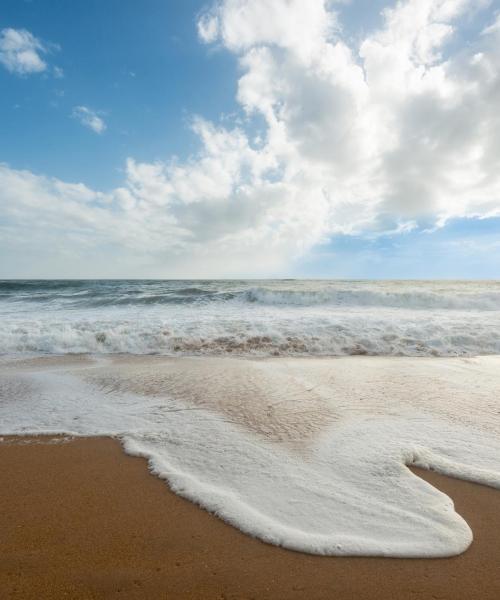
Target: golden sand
<point x="80" y="519"/>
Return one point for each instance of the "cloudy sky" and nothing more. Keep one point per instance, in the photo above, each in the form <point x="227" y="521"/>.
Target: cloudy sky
<point x="250" y="138"/>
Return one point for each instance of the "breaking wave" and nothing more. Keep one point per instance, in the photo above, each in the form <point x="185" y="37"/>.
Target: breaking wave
<point x="334" y="337"/>
<point x="268" y="318"/>
<point x="411" y="299"/>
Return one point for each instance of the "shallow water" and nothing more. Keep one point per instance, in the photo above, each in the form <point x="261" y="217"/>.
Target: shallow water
<point x="307" y="453"/>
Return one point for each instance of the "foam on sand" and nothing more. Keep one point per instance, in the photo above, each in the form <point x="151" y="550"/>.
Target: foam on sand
<point x="309" y="454"/>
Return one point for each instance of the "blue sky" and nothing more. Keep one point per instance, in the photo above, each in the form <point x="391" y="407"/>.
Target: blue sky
<point x="250" y="138"/>
<point x="139" y="63"/>
<point x="465" y="248"/>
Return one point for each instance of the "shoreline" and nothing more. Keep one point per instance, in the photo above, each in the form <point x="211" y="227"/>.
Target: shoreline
<point x="80" y="518"/>
<point x="243" y="438"/>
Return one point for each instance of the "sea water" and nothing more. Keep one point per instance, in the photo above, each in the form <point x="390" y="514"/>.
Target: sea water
<point x="249" y="406"/>
<point x="256" y="318"/>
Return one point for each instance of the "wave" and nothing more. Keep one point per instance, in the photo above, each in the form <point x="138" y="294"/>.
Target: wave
<point x="91" y="296"/>
<point x="410" y="299"/>
<point x="186" y="296"/>
<point x="267" y="318"/>
<point x="108" y="296"/>
<point x="311" y="337"/>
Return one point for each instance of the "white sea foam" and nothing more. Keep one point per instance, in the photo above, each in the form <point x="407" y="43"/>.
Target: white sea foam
<point x="272" y="318"/>
<point x="309" y="454"/>
<point x="402" y="295"/>
<point x="270" y="332"/>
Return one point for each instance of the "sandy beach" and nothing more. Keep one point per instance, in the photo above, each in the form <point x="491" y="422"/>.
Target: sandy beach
<point x="250" y="300"/>
<point x="81" y="519"/>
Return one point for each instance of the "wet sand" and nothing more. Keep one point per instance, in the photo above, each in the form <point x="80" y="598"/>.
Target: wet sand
<point x="80" y="519"/>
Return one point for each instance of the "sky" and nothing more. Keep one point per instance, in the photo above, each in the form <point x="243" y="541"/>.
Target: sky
<point x="250" y="138"/>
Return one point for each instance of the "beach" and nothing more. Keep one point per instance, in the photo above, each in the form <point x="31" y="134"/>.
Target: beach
<point x="229" y="439"/>
<point x="250" y="300"/>
<point x="309" y="454"/>
<point x="81" y="519"/>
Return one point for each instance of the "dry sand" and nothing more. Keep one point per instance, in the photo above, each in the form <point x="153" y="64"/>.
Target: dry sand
<point x="80" y="519"/>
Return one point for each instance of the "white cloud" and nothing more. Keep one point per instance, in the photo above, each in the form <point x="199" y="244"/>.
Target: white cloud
<point x="89" y="118"/>
<point x="400" y="129"/>
<point x="390" y="131"/>
<point x="20" y="52"/>
<point x="297" y="25"/>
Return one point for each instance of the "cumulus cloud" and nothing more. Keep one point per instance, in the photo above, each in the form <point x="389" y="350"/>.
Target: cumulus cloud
<point x="89" y="118"/>
<point x="398" y="131"/>
<point x="294" y="24"/>
<point x="20" y="52"/>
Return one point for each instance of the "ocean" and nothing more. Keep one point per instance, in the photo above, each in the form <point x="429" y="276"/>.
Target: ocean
<point x="251" y="318"/>
<point x="290" y="409"/>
